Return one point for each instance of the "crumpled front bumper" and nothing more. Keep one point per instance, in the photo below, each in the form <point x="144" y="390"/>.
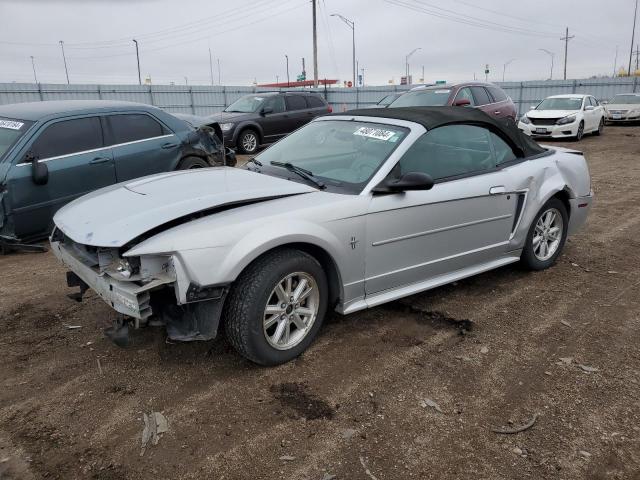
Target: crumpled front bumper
<point x="128" y="298"/>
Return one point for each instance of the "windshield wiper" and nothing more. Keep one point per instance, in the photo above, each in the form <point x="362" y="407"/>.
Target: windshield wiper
<point x="304" y="173"/>
<point x="253" y="160"/>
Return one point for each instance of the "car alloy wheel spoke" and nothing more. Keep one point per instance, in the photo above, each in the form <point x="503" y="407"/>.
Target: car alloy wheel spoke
<point x="291" y="310"/>
<point x="547" y="234"/>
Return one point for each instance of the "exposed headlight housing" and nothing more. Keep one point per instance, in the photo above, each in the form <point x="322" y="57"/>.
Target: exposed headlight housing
<point x="225" y="127"/>
<point x="634" y="113"/>
<point x="566" y="120"/>
<point x="524" y="119"/>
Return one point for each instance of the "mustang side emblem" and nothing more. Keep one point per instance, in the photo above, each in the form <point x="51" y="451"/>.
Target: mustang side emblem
<point x="354" y="242"/>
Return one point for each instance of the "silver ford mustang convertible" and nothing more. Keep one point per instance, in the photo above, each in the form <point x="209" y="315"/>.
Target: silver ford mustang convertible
<point x="348" y="212"/>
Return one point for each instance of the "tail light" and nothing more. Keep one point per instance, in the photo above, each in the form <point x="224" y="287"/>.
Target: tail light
<point x="330" y="109"/>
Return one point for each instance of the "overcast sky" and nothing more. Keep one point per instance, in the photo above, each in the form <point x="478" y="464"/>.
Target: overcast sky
<point x="250" y="38"/>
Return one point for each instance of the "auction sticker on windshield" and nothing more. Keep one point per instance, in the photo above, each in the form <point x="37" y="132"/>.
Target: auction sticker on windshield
<point x="11" y="125"/>
<point x="377" y="133"/>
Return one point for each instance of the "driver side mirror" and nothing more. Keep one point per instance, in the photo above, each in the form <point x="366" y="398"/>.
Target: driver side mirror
<point x="266" y="111"/>
<point x="408" y="181"/>
<point x="462" y="102"/>
<point x="588" y="108"/>
<point x="39" y="170"/>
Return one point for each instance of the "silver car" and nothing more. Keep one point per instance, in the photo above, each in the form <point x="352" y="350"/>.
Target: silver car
<point x="348" y="212"/>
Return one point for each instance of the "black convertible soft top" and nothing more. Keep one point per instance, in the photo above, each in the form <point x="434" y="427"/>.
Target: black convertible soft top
<point x="433" y="117"/>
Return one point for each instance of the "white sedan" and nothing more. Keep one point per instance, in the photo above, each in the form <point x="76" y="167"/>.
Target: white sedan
<point x="564" y="116"/>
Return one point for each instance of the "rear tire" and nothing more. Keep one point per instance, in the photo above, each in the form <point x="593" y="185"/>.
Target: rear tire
<point x="189" y="163"/>
<point x="600" y="129"/>
<point x="266" y="319"/>
<point x="552" y="233"/>
<point x="248" y="142"/>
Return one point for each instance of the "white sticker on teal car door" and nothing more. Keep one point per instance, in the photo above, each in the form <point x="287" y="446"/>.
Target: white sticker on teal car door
<point x="11" y="125"/>
<point x="376" y="133"/>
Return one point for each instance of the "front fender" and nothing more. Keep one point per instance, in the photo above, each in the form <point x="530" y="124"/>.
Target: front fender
<point x="247" y="124"/>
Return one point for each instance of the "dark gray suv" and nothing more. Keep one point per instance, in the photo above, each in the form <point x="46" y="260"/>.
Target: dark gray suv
<point x="264" y="118"/>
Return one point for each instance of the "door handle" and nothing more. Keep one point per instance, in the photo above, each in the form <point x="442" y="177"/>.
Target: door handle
<point x="497" y="190"/>
<point x="497" y="112"/>
<point x="99" y="160"/>
<point x="167" y="146"/>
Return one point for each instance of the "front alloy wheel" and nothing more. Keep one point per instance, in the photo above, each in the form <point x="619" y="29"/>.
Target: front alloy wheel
<point x="248" y="142"/>
<point x="580" y="132"/>
<point x="276" y="306"/>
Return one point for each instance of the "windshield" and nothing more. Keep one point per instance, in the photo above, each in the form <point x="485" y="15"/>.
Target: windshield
<point x="10" y="131"/>
<point x="625" y="99"/>
<point x="572" y="103"/>
<point x="248" y="104"/>
<point x="423" y="98"/>
<point x="343" y="154"/>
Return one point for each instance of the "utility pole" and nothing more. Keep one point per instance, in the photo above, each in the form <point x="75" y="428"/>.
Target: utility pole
<point x="422" y="79"/>
<point x="186" y="81"/>
<point x="615" y="62"/>
<point x="138" y="58"/>
<point x="315" y="46"/>
<point x="33" y="64"/>
<point x="504" y="67"/>
<point x="633" y="35"/>
<point x="287" y="57"/>
<point x="211" y="66"/>
<point x="352" y="25"/>
<point x="64" y="58"/>
<point x="566" y="39"/>
<point x="362" y="77"/>
<point x="219" y="73"/>
<point x="406" y="61"/>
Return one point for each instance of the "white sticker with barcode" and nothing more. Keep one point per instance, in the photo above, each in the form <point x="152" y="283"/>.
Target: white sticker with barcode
<point x="377" y="133"/>
<point x="11" y="125"/>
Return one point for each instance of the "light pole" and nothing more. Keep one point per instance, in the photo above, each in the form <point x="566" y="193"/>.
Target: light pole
<point x="64" y="58"/>
<point x="352" y="25"/>
<point x="552" y="55"/>
<point x="33" y="64"/>
<point x="138" y="59"/>
<point x="287" y="57"/>
<point x="406" y="61"/>
<point x="504" y="67"/>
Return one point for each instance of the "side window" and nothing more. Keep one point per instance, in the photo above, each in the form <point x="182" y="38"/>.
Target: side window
<point x="502" y="150"/>
<point x="130" y="127"/>
<point x="465" y="93"/>
<point x="296" y="102"/>
<point x="67" y="137"/>
<point x="449" y="151"/>
<point x="315" y="101"/>
<point x="481" y="96"/>
<point x="275" y="103"/>
<point x="497" y="94"/>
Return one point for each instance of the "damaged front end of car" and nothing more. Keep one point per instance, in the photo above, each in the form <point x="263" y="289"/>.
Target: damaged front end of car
<point x="208" y="138"/>
<point x="149" y="290"/>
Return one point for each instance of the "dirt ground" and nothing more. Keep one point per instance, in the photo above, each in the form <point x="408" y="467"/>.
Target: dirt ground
<point x="411" y="389"/>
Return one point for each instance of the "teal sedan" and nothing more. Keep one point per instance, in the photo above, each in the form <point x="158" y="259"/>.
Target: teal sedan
<point x="52" y="152"/>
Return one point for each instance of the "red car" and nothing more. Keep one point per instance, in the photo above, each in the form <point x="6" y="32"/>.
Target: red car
<point x="487" y="97"/>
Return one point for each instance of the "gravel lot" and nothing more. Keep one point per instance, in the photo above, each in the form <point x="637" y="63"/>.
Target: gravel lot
<point x="490" y="351"/>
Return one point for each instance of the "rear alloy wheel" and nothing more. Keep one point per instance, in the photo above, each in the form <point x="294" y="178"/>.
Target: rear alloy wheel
<point x="276" y="307"/>
<point x="580" y="132"/>
<point x="248" y="142"/>
<point x="546" y="236"/>
<point x="600" y="128"/>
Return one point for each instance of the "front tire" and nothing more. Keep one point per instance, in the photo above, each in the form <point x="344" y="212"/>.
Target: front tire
<point x="248" y="142"/>
<point x="580" y="132"/>
<point x="276" y="307"/>
<point x="546" y="237"/>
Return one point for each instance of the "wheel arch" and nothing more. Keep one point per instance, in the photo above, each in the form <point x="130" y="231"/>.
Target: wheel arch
<point x="321" y="254"/>
<point x="564" y="196"/>
<point x="249" y="126"/>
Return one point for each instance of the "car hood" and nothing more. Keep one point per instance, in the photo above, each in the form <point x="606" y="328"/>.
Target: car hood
<point x="113" y="216"/>
<point x="225" y="117"/>
<point x="550" y="113"/>
<point x="622" y="106"/>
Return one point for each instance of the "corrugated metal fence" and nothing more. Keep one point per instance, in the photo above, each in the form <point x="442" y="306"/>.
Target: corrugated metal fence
<point x="206" y="100"/>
